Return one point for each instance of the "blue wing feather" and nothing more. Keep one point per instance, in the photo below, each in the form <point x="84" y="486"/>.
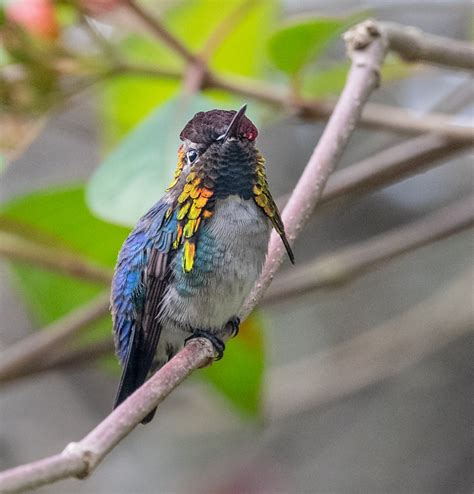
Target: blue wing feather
<point x="128" y="285"/>
<point x="140" y="279"/>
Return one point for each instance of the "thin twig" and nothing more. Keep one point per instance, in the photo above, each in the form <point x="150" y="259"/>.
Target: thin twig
<point x="374" y="115"/>
<point x="391" y="165"/>
<point x="373" y="355"/>
<point x="70" y="357"/>
<point x="388" y="166"/>
<point x="16" y="248"/>
<point x="161" y="32"/>
<point x="21" y="357"/>
<point x="335" y="269"/>
<point x="414" y="45"/>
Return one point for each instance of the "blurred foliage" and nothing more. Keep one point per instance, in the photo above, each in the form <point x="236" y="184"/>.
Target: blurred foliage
<point x="239" y="375"/>
<point x="297" y="43"/>
<point x="60" y="218"/>
<point x="43" y="65"/>
<point x="195" y="22"/>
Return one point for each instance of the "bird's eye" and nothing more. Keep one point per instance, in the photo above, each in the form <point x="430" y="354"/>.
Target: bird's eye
<point x="192" y="156"/>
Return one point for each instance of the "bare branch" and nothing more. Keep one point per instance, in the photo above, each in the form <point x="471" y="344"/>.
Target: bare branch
<point x="373" y="355"/>
<point x="162" y="32"/>
<point x="21" y="357"/>
<point x="374" y="115"/>
<point x="363" y="78"/>
<point x="391" y="165"/>
<point x="377" y="116"/>
<point x="16" y="248"/>
<point x="404" y="121"/>
<point x="334" y="269"/>
<point x="81" y="458"/>
<point x="70" y="357"/>
<point x="387" y="166"/>
<point x="413" y="45"/>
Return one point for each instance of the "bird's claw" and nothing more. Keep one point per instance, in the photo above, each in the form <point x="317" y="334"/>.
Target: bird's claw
<point x="217" y="343"/>
<point x="234" y="324"/>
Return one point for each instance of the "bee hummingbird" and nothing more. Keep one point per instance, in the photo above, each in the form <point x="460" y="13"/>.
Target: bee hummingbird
<point x="190" y="262"/>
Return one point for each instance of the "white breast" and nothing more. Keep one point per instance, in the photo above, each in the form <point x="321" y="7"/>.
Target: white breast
<point x="241" y="232"/>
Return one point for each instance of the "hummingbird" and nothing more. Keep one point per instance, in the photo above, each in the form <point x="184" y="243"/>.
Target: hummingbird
<point x="190" y="262"/>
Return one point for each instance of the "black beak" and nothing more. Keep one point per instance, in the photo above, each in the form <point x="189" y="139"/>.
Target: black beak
<point x="233" y="130"/>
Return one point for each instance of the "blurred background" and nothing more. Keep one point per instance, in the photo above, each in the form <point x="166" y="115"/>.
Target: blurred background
<point x="361" y="383"/>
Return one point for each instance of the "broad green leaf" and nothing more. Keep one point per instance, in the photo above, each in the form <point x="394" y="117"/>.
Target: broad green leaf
<point x="243" y="51"/>
<point x="299" y="42"/>
<point x="135" y="175"/>
<point x="239" y="375"/>
<point x="127" y="99"/>
<point x="60" y="218"/>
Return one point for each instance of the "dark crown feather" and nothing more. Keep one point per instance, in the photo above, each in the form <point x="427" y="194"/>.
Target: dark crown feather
<point x="206" y="127"/>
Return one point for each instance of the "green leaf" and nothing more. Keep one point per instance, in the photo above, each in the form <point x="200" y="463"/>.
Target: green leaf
<point x="60" y="218"/>
<point x="127" y="99"/>
<point x="243" y="51"/>
<point x="299" y="42"/>
<point x="136" y="174"/>
<point x="239" y="375"/>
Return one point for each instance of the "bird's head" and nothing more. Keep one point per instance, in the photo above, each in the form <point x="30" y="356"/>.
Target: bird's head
<point x="219" y="147"/>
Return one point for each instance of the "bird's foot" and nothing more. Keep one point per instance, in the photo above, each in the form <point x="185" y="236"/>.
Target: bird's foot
<point x="217" y="343"/>
<point x="233" y="326"/>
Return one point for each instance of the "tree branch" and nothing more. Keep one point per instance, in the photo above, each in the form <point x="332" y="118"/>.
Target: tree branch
<point x="18" y="359"/>
<point x="15" y="248"/>
<point x="162" y="32"/>
<point x="373" y="355"/>
<point x="414" y="45"/>
<point x="374" y="115"/>
<point x="64" y="358"/>
<point x="336" y="269"/>
<point x="377" y="116"/>
<point x="81" y="458"/>
<point x="363" y="78"/>
<point x="387" y="166"/>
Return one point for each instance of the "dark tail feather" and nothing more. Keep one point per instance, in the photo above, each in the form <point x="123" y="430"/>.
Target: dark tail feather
<point x="149" y="417"/>
<point x="128" y="384"/>
<point x="133" y="375"/>
<point x="137" y="367"/>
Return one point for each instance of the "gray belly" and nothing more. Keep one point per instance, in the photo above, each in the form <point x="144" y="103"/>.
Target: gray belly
<point x="230" y="254"/>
